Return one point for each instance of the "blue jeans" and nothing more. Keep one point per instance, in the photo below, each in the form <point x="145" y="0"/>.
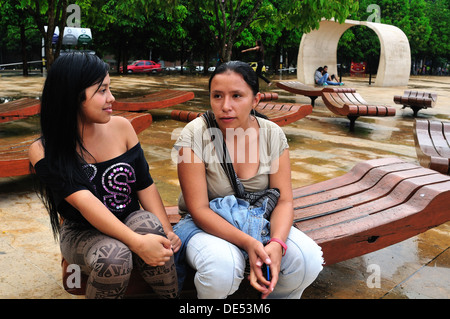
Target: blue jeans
<point x="220" y="266"/>
<point x="324" y="79"/>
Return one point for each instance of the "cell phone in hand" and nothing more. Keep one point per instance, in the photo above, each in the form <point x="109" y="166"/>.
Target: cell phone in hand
<point x="266" y="271"/>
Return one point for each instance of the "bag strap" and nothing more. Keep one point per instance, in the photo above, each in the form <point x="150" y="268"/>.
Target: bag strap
<point x="222" y="152"/>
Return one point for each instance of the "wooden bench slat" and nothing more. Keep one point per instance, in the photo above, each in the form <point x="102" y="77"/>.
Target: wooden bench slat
<point x="427" y="208"/>
<point x="161" y="99"/>
<point x="381" y="200"/>
<point x="356" y="173"/>
<point x="369" y="180"/>
<point x="430" y="145"/>
<point x="439" y="141"/>
<point x="19" y="109"/>
<point x="366" y="193"/>
<point x="446" y="129"/>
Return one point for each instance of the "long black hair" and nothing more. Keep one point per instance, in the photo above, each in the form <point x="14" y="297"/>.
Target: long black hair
<point x="62" y="97"/>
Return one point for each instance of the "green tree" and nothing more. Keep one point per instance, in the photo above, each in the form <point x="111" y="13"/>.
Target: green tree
<point x="362" y="44"/>
<point x="128" y="28"/>
<point x="438" y="45"/>
<point x="226" y="20"/>
<point x="50" y="14"/>
<point x="20" y="29"/>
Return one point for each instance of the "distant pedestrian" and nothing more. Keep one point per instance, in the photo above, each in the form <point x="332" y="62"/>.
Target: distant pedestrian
<point x="259" y="48"/>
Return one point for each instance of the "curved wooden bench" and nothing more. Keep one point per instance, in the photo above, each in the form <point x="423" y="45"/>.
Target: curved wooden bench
<point x="376" y="204"/>
<point x="162" y="99"/>
<point x="432" y="142"/>
<point x="14" y="154"/>
<point x="19" y="109"/>
<point x="416" y="100"/>
<point x="347" y="102"/>
<point x="297" y="87"/>
<point x="282" y="114"/>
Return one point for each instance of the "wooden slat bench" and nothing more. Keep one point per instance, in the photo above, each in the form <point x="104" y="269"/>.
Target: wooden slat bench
<point x="19" y="109"/>
<point x="416" y="100"/>
<point x="432" y="142"/>
<point x="282" y="114"/>
<point x="161" y="99"/>
<point x="347" y="102"/>
<point x="376" y="204"/>
<point x="14" y="155"/>
<point x="297" y="87"/>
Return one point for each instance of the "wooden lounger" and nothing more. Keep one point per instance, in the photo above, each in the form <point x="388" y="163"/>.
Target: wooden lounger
<point x="376" y="204"/>
<point x="162" y="99"/>
<point x="299" y="88"/>
<point x="416" y="100"/>
<point x="432" y="141"/>
<point x="19" y="109"/>
<point x="346" y="102"/>
<point x="14" y="155"/>
<point x="282" y="114"/>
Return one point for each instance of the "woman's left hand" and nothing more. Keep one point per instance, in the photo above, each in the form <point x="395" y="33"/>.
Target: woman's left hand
<point x="275" y="253"/>
<point x="257" y="278"/>
<point x="174" y="240"/>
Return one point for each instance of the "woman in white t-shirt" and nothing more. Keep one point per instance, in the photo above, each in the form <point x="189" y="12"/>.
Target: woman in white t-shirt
<point x="259" y="155"/>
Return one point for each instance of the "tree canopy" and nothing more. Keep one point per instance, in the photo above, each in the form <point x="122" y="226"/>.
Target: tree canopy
<point x="204" y="30"/>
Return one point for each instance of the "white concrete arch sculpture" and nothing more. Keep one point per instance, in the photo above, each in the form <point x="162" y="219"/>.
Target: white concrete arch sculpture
<point x="319" y="48"/>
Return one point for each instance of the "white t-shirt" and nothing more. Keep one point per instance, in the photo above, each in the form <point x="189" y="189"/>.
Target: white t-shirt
<point x="272" y="143"/>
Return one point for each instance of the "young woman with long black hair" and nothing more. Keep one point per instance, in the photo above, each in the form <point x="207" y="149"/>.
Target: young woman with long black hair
<point x="94" y="178"/>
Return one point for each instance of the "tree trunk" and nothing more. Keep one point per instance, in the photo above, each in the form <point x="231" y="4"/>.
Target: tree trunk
<point x="23" y="44"/>
<point x="56" y="15"/>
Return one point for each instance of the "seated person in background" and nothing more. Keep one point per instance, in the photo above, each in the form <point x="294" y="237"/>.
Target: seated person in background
<point x="321" y="77"/>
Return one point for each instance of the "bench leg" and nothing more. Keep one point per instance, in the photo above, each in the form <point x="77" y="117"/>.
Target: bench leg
<point x="415" y="109"/>
<point x="352" y="119"/>
<point x="313" y="99"/>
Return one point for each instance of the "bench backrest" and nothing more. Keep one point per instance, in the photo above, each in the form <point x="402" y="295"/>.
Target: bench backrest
<point x="416" y="98"/>
<point x="432" y="142"/>
<point x="346" y="101"/>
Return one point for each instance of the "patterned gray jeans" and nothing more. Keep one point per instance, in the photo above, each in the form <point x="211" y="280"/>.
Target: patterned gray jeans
<point x="108" y="262"/>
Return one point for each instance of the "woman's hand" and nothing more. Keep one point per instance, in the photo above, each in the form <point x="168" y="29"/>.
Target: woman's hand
<point x="174" y="240"/>
<point x="155" y="250"/>
<point x="275" y="252"/>
<point x="257" y="257"/>
<point x="260" y="256"/>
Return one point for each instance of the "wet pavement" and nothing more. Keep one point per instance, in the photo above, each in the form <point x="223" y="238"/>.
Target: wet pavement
<point x="321" y="148"/>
